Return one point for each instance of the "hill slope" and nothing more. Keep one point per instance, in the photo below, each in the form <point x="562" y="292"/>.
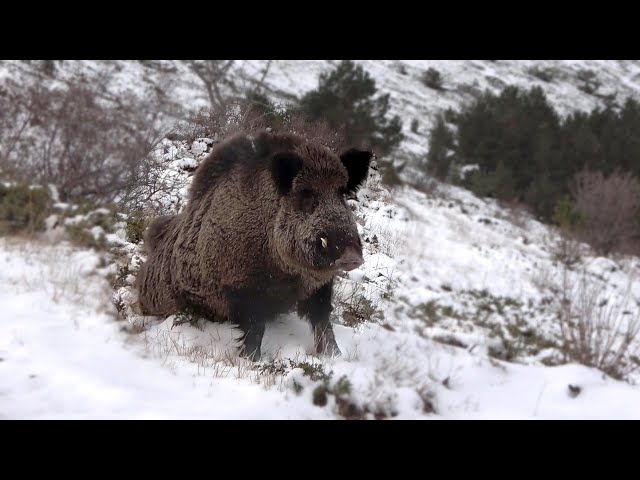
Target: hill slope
<point x="287" y="80"/>
<point x="453" y="315"/>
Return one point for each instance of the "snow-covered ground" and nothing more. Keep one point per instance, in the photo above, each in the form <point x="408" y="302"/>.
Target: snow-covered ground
<point x="65" y="354"/>
<point x="453" y="314"/>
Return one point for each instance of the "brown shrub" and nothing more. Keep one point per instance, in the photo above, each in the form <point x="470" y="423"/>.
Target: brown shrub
<point x="73" y="138"/>
<point x="596" y="331"/>
<point x="610" y="205"/>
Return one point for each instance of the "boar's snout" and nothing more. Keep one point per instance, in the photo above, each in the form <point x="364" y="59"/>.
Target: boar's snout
<point x="350" y="259"/>
<point x="339" y="249"/>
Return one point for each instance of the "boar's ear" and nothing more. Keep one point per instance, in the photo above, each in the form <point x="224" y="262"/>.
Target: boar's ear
<point x="357" y="164"/>
<point x="284" y="167"/>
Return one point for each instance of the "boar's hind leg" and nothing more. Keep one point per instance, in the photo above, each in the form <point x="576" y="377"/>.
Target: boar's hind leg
<point x="317" y="308"/>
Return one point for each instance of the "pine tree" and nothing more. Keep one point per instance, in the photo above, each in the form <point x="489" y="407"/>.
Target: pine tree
<point x="345" y="100"/>
<point x="440" y="157"/>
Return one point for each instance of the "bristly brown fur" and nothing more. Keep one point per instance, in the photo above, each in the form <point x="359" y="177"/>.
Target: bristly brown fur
<point x="241" y="240"/>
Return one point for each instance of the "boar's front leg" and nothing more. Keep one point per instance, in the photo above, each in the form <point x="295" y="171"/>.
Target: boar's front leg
<point x="250" y="313"/>
<point x="317" y="308"/>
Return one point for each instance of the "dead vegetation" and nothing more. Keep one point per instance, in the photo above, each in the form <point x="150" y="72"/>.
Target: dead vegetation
<point x="597" y="331"/>
<point x="69" y="137"/>
<point x="610" y="205"/>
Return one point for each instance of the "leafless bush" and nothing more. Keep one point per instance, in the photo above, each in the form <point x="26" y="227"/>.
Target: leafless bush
<point x="220" y="122"/>
<point x="159" y="186"/>
<point x="223" y="79"/>
<point x="352" y="304"/>
<point x="610" y="205"/>
<point x="67" y="136"/>
<point x="597" y="331"/>
<point x="214" y="75"/>
<point x="244" y="116"/>
<point x="356" y="309"/>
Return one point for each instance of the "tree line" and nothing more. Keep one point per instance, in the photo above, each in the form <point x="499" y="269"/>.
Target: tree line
<point x="579" y="172"/>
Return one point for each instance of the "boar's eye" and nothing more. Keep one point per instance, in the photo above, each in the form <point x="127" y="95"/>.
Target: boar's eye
<point x="308" y="201"/>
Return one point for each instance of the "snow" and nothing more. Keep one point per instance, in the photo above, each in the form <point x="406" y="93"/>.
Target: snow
<point x="65" y="354"/>
<point x="187" y="162"/>
<point x="356" y="275"/>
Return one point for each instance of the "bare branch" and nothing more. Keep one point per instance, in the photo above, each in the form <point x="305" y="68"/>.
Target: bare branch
<point x="213" y="74"/>
<point x="265" y="72"/>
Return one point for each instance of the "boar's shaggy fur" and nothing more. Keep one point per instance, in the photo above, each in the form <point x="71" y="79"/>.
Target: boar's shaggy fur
<point x="266" y="229"/>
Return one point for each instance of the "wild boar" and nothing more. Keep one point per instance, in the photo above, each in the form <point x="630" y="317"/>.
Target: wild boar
<point x="266" y="229"/>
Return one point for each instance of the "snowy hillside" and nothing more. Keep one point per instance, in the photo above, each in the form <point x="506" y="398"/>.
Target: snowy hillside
<point x="454" y="314"/>
<point x="66" y="354"/>
<point x="410" y="98"/>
